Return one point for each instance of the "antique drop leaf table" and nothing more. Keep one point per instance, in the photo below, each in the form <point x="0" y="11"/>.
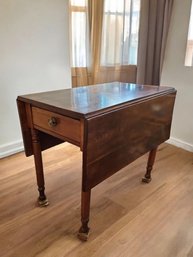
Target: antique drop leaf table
<point x="113" y="124"/>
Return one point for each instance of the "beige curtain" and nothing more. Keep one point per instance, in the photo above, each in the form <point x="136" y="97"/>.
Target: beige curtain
<point x="95" y="14"/>
<point x="154" y="25"/>
<point x="86" y="27"/>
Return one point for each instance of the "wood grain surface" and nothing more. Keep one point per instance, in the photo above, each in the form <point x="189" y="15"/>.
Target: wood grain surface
<point x="66" y="127"/>
<point x="120" y="137"/>
<point x="87" y="101"/>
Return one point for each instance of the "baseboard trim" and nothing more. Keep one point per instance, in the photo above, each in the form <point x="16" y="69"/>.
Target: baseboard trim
<point x="181" y="144"/>
<point x="11" y="148"/>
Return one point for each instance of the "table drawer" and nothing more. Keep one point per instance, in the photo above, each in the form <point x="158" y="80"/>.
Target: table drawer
<point x="57" y="124"/>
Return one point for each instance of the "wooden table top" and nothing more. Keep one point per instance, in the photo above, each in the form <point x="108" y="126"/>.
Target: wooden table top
<point x="88" y="101"/>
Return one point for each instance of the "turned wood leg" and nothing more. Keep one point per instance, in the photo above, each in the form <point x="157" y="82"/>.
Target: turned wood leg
<point x="42" y="200"/>
<point x="151" y="159"/>
<point x="85" y="210"/>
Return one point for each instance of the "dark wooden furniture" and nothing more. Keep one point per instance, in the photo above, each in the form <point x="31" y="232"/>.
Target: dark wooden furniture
<point x="113" y="124"/>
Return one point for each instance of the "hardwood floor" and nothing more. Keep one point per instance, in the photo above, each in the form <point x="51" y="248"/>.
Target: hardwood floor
<point x="128" y="218"/>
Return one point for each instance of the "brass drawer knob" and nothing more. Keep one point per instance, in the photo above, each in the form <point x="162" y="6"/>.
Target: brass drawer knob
<point x="52" y="122"/>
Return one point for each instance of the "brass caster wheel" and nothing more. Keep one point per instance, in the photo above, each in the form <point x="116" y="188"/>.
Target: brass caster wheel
<point x="43" y="203"/>
<point x="83" y="236"/>
<point x="146" y="180"/>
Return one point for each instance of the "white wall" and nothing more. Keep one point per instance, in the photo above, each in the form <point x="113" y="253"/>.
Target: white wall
<point x="177" y="75"/>
<point x="34" y="57"/>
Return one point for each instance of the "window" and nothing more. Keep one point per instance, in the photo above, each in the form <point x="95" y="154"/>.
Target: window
<point x="104" y="40"/>
<point x="120" y="32"/>
<point x="189" y="48"/>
